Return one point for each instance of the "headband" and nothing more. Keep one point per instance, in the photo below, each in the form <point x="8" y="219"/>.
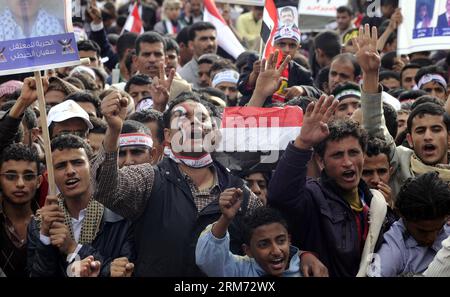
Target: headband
<point x="135" y="139"/>
<point x="230" y="76"/>
<point x="349" y="93"/>
<point x="431" y="77"/>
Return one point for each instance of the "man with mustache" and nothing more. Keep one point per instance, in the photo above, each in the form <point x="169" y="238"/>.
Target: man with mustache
<point x="202" y="40"/>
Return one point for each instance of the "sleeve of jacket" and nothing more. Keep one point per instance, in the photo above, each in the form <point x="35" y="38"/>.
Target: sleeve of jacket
<point x="287" y="188"/>
<point x="312" y="91"/>
<point x="243" y="87"/>
<point x="374" y="122"/>
<point x="8" y="129"/>
<point x="213" y="256"/>
<point x="42" y="260"/>
<point x="106" y="49"/>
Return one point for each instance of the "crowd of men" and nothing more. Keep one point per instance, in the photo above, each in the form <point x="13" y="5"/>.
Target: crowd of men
<point x="361" y="191"/>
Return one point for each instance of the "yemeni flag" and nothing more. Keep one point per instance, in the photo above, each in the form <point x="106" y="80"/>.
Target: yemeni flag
<point x="247" y="129"/>
<point x="134" y="21"/>
<point x="270" y="22"/>
<point x="225" y="37"/>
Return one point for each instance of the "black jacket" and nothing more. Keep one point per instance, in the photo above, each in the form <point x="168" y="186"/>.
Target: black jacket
<point x="114" y="240"/>
<point x="321" y="220"/>
<point x="167" y="231"/>
<point x="8" y="129"/>
<point x="298" y="76"/>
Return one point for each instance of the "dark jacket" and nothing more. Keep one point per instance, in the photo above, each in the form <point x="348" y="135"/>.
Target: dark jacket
<point x="148" y="16"/>
<point x="298" y="76"/>
<point x="321" y="221"/>
<point x="106" y="50"/>
<point x="167" y="231"/>
<point x="114" y="240"/>
<point x="442" y="21"/>
<point x="8" y="129"/>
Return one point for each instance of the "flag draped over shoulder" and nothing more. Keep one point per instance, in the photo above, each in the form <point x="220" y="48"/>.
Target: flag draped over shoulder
<point x="247" y="129"/>
<point x="134" y="21"/>
<point x="225" y="37"/>
<point x="271" y="21"/>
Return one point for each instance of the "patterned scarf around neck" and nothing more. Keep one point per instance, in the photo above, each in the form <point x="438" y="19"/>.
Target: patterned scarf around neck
<point x="419" y="168"/>
<point x="91" y="222"/>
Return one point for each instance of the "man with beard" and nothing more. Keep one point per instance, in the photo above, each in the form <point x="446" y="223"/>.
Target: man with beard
<point x="226" y="81"/>
<point x="175" y="200"/>
<point x="19" y="180"/>
<point x="73" y="225"/>
<point x="202" y="40"/>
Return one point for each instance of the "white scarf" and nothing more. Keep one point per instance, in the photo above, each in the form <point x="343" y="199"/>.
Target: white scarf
<point x="200" y="162"/>
<point x="45" y="24"/>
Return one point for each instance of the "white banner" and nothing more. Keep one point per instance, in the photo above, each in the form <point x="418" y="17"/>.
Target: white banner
<point x="243" y="2"/>
<point x="425" y="27"/>
<point x="321" y="7"/>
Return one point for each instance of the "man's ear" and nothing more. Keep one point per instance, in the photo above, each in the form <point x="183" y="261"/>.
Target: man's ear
<point x="40" y="179"/>
<point x="153" y="154"/>
<point x="410" y="140"/>
<point x="167" y="135"/>
<point x="319" y="161"/>
<point x="191" y="45"/>
<point x="34" y="134"/>
<point x="247" y="250"/>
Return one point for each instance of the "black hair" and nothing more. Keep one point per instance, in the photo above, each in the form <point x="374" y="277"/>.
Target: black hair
<point x="408" y="66"/>
<point x="87" y="80"/>
<point x="260" y="217"/>
<point x="99" y="125"/>
<point x="129" y="60"/>
<point x="183" y="36"/>
<point x="395" y="92"/>
<point x="386" y="74"/>
<point x="20" y="152"/>
<point x="150" y="115"/>
<point x="340" y="129"/>
<point x="208" y="59"/>
<point x="171" y="44"/>
<point x="101" y="74"/>
<point x="75" y="81"/>
<point x="411" y="95"/>
<point x="86" y="97"/>
<point x="149" y="37"/>
<point x="199" y="26"/>
<point x="89" y="45"/>
<point x="221" y="64"/>
<point x="428" y="108"/>
<point x="29" y="117"/>
<point x="210" y="91"/>
<point x="343" y="9"/>
<point x="376" y="146"/>
<point x="390" y="117"/>
<point x="347" y="57"/>
<point x="244" y="58"/>
<point x="424" y="197"/>
<point x="423" y="62"/>
<point x="425" y="99"/>
<point x="430" y="70"/>
<point x="322" y="77"/>
<point x="70" y="141"/>
<point x="329" y="42"/>
<point x="126" y="41"/>
<point x="139" y="80"/>
<point x="130" y="126"/>
<point x="184" y="96"/>
<point x="301" y="101"/>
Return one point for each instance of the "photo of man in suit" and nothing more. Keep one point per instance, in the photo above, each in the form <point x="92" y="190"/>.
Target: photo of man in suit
<point x="444" y="19"/>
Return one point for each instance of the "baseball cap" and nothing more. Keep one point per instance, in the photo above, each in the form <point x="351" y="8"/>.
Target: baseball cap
<point x="67" y="110"/>
<point x="290" y="32"/>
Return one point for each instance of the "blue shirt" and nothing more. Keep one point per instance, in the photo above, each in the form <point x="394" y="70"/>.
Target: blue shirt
<point x="213" y="257"/>
<point x="400" y="253"/>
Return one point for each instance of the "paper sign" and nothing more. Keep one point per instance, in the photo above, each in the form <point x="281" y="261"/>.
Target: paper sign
<point x="321" y="7"/>
<point x="36" y="35"/>
<point x="427" y="28"/>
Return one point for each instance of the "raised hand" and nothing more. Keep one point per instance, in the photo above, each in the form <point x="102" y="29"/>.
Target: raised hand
<point x="60" y="238"/>
<point x="396" y="19"/>
<point x="114" y="109"/>
<point x="94" y="12"/>
<point x="230" y="201"/>
<point x="121" y="267"/>
<point x="268" y="79"/>
<point x="315" y="128"/>
<point x="28" y="96"/>
<point x="387" y="192"/>
<point x="49" y="214"/>
<point x="367" y="55"/>
<point x="87" y="267"/>
<point x="160" y="88"/>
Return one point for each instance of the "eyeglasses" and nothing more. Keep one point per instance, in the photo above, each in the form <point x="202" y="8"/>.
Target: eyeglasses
<point x="10" y="176"/>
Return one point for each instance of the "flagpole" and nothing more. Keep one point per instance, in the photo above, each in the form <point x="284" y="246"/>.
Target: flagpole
<point x="261" y="47"/>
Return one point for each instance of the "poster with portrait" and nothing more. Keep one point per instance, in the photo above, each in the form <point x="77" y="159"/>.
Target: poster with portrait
<point x="36" y="35"/>
<point x="425" y="27"/>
